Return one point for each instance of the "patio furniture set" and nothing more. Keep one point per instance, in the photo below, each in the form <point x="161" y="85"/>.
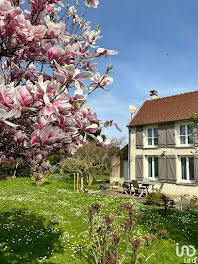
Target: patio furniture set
<point x="140" y="188"/>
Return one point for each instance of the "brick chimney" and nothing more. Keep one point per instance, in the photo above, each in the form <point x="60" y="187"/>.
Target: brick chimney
<point x="153" y="95"/>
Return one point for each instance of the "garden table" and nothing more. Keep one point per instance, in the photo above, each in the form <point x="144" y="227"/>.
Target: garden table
<point x="147" y="184"/>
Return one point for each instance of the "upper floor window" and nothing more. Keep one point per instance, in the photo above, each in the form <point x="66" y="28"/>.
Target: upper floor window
<point x="187" y="169"/>
<point x="185" y="135"/>
<point x="152" y="136"/>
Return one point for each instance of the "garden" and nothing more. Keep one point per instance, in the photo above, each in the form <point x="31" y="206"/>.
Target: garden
<point x="49" y="224"/>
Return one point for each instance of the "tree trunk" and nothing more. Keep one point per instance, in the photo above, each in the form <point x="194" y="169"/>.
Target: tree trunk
<point x="82" y="184"/>
<point x="74" y="181"/>
<point x="14" y="175"/>
<point x="77" y="189"/>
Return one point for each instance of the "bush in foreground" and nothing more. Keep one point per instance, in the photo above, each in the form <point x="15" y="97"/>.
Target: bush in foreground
<point x="114" y="242"/>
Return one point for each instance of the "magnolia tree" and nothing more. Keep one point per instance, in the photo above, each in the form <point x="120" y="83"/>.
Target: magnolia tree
<point x="48" y="69"/>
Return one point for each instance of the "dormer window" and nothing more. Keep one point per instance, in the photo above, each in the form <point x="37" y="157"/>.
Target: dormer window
<point x="185" y="135"/>
<point x="152" y="136"/>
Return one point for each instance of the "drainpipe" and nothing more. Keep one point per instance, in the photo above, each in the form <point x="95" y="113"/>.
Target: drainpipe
<point x="129" y="155"/>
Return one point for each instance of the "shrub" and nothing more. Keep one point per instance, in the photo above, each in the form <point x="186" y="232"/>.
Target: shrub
<point x="193" y="205"/>
<point x="109" y="236"/>
<point x="55" y="158"/>
<point x="154" y="198"/>
<point x="23" y="172"/>
<point x="160" y="199"/>
<point x="7" y="170"/>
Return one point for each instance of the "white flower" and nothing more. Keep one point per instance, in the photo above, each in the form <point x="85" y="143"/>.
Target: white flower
<point x="103" y="143"/>
<point x="92" y="3"/>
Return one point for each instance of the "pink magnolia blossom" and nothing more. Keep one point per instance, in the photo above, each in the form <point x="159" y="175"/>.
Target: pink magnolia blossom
<point x="106" y="52"/>
<point x="92" y="128"/>
<point x="2" y="159"/>
<point x="92" y="3"/>
<point x="11" y="160"/>
<point x="62" y="105"/>
<point x="32" y="67"/>
<point x="21" y="163"/>
<point x="91" y="36"/>
<point x="54" y="29"/>
<point x="5" y="7"/>
<point x="45" y="89"/>
<point x="5" y="115"/>
<point x="19" y="137"/>
<point x="42" y="122"/>
<point x="55" y="2"/>
<point x="85" y="125"/>
<point x="47" y="135"/>
<point x="24" y="97"/>
<point x="55" y="53"/>
<point x="37" y="5"/>
<point x="110" y="123"/>
<point x="101" y="142"/>
<point x="101" y="81"/>
<point x="39" y="157"/>
<point x="72" y="74"/>
<point x="78" y="96"/>
<point x="72" y="11"/>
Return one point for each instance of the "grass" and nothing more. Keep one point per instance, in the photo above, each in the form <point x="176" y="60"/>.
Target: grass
<point x="47" y="224"/>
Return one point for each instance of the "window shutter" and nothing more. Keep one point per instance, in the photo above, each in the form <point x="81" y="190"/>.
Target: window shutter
<point x="195" y="137"/>
<point x="196" y="169"/>
<point x="162" y="168"/>
<point x="139" y="167"/>
<point x="162" y="136"/>
<point x="170" y="133"/>
<point x="139" y="137"/>
<point x="171" y="168"/>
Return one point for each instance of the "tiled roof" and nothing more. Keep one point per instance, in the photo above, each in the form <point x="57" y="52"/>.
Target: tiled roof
<point x="171" y="108"/>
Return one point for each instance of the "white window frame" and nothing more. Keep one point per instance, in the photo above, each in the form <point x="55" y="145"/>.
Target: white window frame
<point x="186" y="135"/>
<point x="153" y="168"/>
<point x="147" y="137"/>
<point x="187" y="170"/>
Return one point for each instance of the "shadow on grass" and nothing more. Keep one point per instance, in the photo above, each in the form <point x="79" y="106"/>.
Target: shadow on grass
<point x="26" y="237"/>
<point x="182" y="227"/>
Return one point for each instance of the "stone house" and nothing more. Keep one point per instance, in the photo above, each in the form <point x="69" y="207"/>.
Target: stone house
<point x="162" y="143"/>
<point x="119" y="166"/>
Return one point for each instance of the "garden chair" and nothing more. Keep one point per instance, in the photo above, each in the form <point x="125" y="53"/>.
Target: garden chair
<point x="159" y="190"/>
<point x="126" y="188"/>
<point x="114" y="185"/>
<point x="139" y="190"/>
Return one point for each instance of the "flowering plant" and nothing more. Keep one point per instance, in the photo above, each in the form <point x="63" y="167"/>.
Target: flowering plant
<point x="114" y="242"/>
<point x="48" y="70"/>
<point x="101" y="187"/>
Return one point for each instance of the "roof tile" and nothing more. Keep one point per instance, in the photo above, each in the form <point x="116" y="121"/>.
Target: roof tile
<point x="165" y="109"/>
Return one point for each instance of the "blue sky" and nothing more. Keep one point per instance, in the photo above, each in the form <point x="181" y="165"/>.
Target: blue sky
<point x="143" y="32"/>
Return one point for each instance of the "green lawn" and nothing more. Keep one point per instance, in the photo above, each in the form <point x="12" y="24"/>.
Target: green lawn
<point x="47" y="224"/>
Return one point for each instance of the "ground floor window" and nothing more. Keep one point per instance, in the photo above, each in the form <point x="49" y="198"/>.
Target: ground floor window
<point x="153" y="167"/>
<point x="187" y="169"/>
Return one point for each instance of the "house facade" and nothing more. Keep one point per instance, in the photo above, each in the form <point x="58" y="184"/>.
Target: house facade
<point x="162" y="143"/>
